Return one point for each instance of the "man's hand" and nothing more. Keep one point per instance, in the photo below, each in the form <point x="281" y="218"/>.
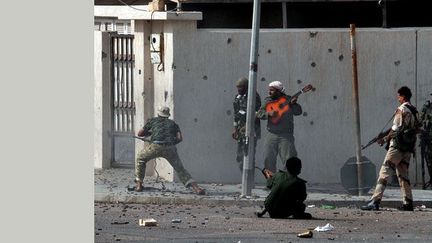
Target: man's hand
<point x="141" y="133"/>
<point x="234" y="133"/>
<point x="381" y="141"/>
<point x="267" y="173"/>
<point x="271" y="113"/>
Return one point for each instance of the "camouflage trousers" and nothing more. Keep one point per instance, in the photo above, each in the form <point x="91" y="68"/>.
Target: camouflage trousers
<point x="242" y="151"/>
<point x="169" y="153"/>
<point x="278" y="145"/>
<point x="397" y="162"/>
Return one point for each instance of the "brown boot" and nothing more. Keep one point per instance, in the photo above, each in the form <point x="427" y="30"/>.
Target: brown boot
<point x="139" y="186"/>
<point x="198" y="190"/>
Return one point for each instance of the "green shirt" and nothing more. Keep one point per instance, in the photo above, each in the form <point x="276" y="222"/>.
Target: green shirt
<point x="161" y="129"/>
<point x="287" y="195"/>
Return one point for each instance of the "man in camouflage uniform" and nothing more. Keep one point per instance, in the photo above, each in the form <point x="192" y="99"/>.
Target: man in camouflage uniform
<point x="239" y="126"/>
<point x="398" y="155"/>
<point x="288" y="193"/>
<point x="163" y="135"/>
<point x="426" y="139"/>
<point x="280" y="137"/>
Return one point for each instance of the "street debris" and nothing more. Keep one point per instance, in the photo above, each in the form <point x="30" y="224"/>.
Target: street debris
<point x="311" y="206"/>
<point x="328" y="207"/>
<point x="306" y="234"/>
<point x="176" y="221"/>
<point x="115" y="222"/>
<point x="147" y="222"/>
<point x="325" y="228"/>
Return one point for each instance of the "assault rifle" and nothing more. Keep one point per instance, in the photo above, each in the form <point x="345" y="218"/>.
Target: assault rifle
<point x="375" y="139"/>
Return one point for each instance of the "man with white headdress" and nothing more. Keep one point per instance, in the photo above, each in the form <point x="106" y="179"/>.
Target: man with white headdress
<point x="280" y="137"/>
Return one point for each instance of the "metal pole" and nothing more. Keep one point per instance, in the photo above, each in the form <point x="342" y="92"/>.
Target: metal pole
<point x="356" y="110"/>
<point x="249" y="158"/>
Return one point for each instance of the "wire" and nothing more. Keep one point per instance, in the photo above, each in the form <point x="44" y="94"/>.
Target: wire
<point x="145" y="10"/>
<point x="157" y="177"/>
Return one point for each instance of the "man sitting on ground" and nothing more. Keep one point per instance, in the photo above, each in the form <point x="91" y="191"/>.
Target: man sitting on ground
<point x="287" y="194"/>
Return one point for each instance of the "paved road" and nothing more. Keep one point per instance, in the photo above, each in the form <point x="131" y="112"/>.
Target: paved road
<point x="119" y="223"/>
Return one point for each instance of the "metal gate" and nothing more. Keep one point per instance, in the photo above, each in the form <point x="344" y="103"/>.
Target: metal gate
<point x="122" y="59"/>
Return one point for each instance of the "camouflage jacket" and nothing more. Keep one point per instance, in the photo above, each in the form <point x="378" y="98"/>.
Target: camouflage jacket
<point x="240" y="108"/>
<point x="161" y="130"/>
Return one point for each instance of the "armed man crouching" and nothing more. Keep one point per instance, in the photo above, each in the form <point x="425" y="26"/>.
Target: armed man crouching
<point x="288" y="192"/>
<point x="163" y="135"/>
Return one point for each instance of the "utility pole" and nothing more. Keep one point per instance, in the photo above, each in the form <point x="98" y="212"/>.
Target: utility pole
<point x="249" y="159"/>
<point x="356" y="111"/>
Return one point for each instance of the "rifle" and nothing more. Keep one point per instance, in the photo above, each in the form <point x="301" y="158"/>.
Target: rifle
<point x="378" y="137"/>
<point x="142" y="138"/>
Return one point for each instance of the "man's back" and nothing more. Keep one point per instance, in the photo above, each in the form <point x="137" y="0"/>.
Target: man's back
<point x="287" y="195"/>
<point x="161" y="129"/>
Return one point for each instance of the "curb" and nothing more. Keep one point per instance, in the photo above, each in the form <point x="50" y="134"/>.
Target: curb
<point x="205" y="201"/>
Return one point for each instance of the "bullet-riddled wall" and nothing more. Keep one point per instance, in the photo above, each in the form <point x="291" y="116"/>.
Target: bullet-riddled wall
<point x="206" y="63"/>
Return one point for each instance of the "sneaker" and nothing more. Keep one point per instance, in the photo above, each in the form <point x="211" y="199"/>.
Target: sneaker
<point x="372" y="205"/>
<point x="406" y="207"/>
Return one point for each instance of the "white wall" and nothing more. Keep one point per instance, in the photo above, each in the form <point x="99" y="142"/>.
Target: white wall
<point x="205" y="65"/>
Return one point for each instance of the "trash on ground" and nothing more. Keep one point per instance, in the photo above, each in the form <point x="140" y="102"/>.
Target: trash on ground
<point x="327" y="227"/>
<point x="147" y="222"/>
<point x="328" y="207"/>
<point x="311" y="206"/>
<point x="307" y="234"/>
<point x="115" y="222"/>
<point x="176" y="221"/>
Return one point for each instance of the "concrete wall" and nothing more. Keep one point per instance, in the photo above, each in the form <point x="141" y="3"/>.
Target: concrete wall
<point x="102" y="100"/>
<point x="206" y="63"/>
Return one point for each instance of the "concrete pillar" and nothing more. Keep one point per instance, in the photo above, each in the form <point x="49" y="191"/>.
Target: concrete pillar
<point x="143" y="81"/>
<point x="102" y="101"/>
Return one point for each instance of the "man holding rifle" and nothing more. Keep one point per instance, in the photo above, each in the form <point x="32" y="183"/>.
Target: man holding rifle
<point x="401" y="138"/>
<point x="163" y="134"/>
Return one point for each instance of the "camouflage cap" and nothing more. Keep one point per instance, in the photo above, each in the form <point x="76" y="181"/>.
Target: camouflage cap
<point x="164" y="111"/>
<point x="242" y="81"/>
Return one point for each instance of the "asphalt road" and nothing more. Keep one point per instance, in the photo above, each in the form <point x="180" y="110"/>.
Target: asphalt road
<point x="119" y="223"/>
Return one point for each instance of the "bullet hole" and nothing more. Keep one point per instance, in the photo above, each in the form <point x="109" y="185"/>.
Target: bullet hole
<point x="224" y="91"/>
<point x="305" y="114"/>
<point x="228" y="112"/>
<point x="334" y="97"/>
<point x="195" y="119"/>
<point x="228" y="40"/>
<point x="312" y="34"/>
<point x="204" y="77"/>
<point x="341" y="57"/>
<point x="166" y="95"/>
<point x="299" y="81"/>
<point x="311" y="123"/>
<point x="187" y="70"/>
<point x="313" y="64"/>
<point x="330" y="50"/>
<point x="139" y="71"/>
<point x="263" y="79"/>
<point x="173" y="67"/>
<point x="397" y="63"/>
<point x="269" y="51"/>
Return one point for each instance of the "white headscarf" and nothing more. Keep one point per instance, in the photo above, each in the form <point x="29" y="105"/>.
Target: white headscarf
<point x="277" y="85"/>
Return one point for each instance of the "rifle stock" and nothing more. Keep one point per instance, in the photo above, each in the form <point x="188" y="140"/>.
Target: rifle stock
<point x="375" y="139"/>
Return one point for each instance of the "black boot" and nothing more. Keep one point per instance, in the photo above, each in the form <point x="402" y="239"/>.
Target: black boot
<point x="372" y="205"/>
<point x="406" y="207"/>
